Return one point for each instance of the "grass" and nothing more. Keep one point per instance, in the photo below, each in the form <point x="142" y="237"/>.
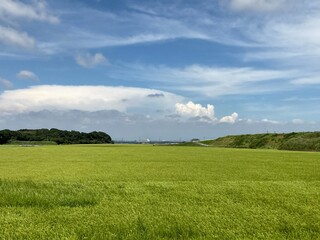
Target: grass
<point x="150" y="192"/>
<point x="302" y="141"/>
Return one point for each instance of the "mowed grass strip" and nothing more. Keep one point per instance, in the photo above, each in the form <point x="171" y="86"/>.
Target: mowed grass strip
<point x="150" y="192"/>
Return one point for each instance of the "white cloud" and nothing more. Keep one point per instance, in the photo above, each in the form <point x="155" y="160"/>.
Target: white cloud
<point x="215" y="74"/>
<point x="298" y="121"/>
<point x="195" y="110"/>
<point x="85" y="98"/>
<point x="17" y="9"/>
<point x="105" y="37"/>
<point x="128" y="40"/>
<point x="291" y="36"/>
<point x="307" y="80"/>
<point x="291" y="39"/>
<point x="270" y="121"/>
<point x="25" y="74"/>
<point x="209" y="81"/>
<point x="277" y="36"/>
<point x="13" y="15"/>
<point x="230" y="119"/>
<point x="5" y="83"/>
<point x="256" y="5"/>
<point x="88" y="61"/>
<point x="10" y="36"/>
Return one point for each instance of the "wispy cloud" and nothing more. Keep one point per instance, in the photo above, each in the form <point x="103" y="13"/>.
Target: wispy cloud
<point x="88" y="61"/>
<point x="10" y="36"/>
<point x="13" y="15"/>
<point x="17" y="9"/>
<point x="286" y="32"/>
<point x="257" y="5"/>
<point x="28" y="75"/>
<point x="124" y="28"/>
<point x="298" y="121"/>
<point x="307" y="80"/>
<point x="209" y="81"/>
<point x="288" y="35"/>
<point x="6" y="83"/>
<point x="265" y="120"/>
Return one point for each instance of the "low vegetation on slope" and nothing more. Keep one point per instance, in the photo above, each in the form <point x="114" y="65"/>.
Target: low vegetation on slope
<point x="306" y="141"/>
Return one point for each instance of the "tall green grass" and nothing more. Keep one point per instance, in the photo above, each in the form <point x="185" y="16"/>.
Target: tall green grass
<point x="150" y="192"/>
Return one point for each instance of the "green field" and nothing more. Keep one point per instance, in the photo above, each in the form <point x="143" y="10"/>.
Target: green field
<point x="157" y="192"/>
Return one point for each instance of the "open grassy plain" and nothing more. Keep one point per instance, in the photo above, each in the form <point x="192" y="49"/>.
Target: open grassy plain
<point x="153" y="192"/>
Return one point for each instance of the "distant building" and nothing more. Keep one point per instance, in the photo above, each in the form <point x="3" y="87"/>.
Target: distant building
<point x="147" y="141"/>
<point x="195" y="140"/>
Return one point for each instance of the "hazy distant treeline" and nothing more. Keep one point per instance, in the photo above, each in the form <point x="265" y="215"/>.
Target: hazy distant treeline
<point x="54" y="135"/>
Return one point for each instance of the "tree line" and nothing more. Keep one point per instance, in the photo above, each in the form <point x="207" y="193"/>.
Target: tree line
<point x="54" y="135"/>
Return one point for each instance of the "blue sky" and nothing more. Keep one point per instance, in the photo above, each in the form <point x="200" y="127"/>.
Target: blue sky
<point x="211" y="67"/>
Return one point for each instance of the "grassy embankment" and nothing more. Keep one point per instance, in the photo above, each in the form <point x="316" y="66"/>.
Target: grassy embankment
<point x="303" y="141"/>
<point x="147" y="192"/>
